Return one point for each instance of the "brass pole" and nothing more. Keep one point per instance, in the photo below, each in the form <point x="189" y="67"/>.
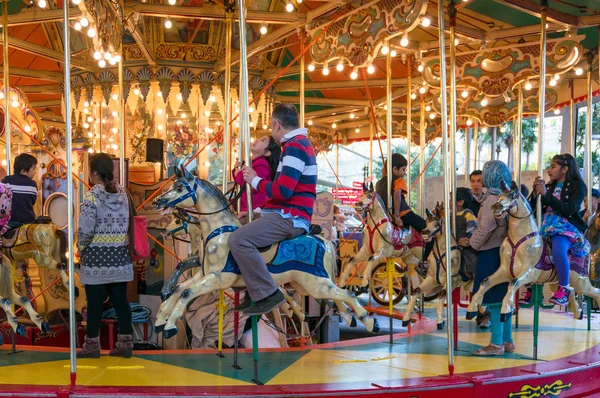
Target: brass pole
<point x="422" y="145"/>
<point x="518" y="131"/>
<point x="7" y="101"/>
<point x="408" y="132"/>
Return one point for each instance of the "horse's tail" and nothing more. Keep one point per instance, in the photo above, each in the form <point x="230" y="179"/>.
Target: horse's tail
<point x="6" y="282"/>
<point x="62" y="247"/>
<point x="329" y="258"/>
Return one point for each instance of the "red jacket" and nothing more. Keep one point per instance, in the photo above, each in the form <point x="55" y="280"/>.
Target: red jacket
<point x="261" y="166"/>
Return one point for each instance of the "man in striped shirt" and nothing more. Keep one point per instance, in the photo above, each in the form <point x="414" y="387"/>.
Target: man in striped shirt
<point x="285" y="215"/>
<point x="24" y="190"/>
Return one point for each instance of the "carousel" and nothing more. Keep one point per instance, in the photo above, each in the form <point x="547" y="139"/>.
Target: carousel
<point x="177" y="92"/>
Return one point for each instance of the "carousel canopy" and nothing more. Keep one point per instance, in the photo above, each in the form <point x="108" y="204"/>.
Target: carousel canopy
<point x="173" y="51"/>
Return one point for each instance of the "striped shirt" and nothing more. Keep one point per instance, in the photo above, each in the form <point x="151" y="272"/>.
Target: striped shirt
<point x="24" y="196"/>
<point x="293" y="191"/>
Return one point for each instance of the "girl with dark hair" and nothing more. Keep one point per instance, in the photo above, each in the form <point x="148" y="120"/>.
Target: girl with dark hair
<point x="265" y="160"/>
<point x="562" y="224"/>
<point x="105" y="260"/>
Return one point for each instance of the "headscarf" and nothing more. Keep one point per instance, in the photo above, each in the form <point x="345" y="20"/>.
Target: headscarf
<point x="494" y="172"/>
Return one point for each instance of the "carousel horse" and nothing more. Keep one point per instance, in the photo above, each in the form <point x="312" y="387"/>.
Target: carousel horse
<point x="47" y="246"/>
<point x="7" y="295"/>
<point x="526" y="258"/>
<point x="186" y="224"/>
<point x="593" y="236"/>
<point x="381" y="239"/>
<point x="306" y="262"/>
<point x="437" y="266"/>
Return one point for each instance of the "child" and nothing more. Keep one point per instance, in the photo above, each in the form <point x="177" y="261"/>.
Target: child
<point x="24" y="190"/>
<point x="562" y="224"/>
<point x="265" y="159"/>
<point x="403" y="214"/>
<point x="466" y="224"/>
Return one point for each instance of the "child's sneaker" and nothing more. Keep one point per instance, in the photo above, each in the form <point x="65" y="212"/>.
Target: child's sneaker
<point x="525" y="298"/>
<point x="561" y="296"/>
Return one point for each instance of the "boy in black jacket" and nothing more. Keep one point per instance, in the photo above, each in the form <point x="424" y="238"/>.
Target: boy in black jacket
<point x="24" y="190"/>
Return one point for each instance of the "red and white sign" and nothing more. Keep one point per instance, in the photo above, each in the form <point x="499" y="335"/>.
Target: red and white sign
<point x="348" y="196"/>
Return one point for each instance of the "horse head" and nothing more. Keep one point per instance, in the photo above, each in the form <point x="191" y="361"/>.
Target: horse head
<point x="434" y="222"/>
<point x="509" y="198"/>
<point x="183" y="192"/>
<point x="175" y="228"/>
<point x="367" y="200"/>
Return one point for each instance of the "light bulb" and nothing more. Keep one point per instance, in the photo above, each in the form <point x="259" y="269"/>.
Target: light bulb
<point x="159" y="127"/>
<point x="97" y="55"/>
<point x="86" y="104"/>
<point x="90" y="119"/>
<point x="206" y="113"/>
<point x="183" y="115"/>
<point x="77" y="26"/>
<point x="484" y="130"/>
<point x="469" y="122"/>
<point x="385" y="50"/>
<point x="413" y="96"/>
<point x="112" y="61"/>
<point x="84" y="22"/>
<point x="578" y="71"/>
<point x="528" y="86"/>
<point x="212" y="98"/>
<point x="172" y="2"/>
<point x="42" y="3"/>
<point x="263" y="30"/>
<point x="311" y="67"/>
<point x="250" y="109"/>
<point x="137" y="91"/>
<point x="117" y="58"/>
<point x="333" y="125"/>
<point x="115" y="113"/>
<point x="425" y="22"/>
<point x="114" y="130"/>
<point x="557" y="77"/>
<point x="484" y="102"/>
<point x="422" y="89"/>
<point x="357" y="130"/>
<point x="168" y="24"/>
<point x="102" y="63"/>
<point x="427" y="108"/>
<point x="352" y="116"/>
<point x="325" y="71"/>
<point x="4" y="162"/>
<point x="107" y="55"/>
<point x="14" y="103"/>
<point x="340" y="66"/>
<point x="456" y="42"/>
<point x="90" y="134"/>
<point x="552" y="82"/>
<point x="91" y="32"/>
<point x="86" y="111"/>
<point x="27" y="128"/>
<point x="503" y="129"/>
<point x="404" y="40"/>
<point x="370" y="69"/>
<point x="354" y="74"/>
<point x="76" y="2"/>
<point x="159" y="111"/>
<point x="420" y="67"/>
<point x="432" y="116"/>
<point x="91" y="150"/>
<point x="393" y="53"/>
<point x="310" y="122"/>
<point x="115" y="96"/>
<point x="465" y="93"/>
<point x="86" y="125"/>
<point x="1" y="95"/>
<point x="179" y="97"/>
<point x="265" y="126"/>
<point x="289" y="7"/>
<point x="557" y="111"/>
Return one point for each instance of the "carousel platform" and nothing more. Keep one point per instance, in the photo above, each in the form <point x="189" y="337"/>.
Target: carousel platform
<point x="414" y="366"/>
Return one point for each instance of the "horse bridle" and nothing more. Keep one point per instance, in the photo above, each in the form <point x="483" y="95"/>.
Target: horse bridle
<point x="515" y="203"/>
<point x="370" y="206"/>
<point x="191" y="193"/>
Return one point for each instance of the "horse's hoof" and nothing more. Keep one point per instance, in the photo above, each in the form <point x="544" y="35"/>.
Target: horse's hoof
<point x="170" y="333"/>
<point x="440" y="326"/>
<point x="45" y="327"/>
<point x="405" y="323"/>
<point x="353" y="322"/>
<point x="580" y="316"/>
<point x="159" y="328"/>
<point x="76" y="292"/>
<point x="21" y="330"/>
<point x="375" y="326"/>
<point x="471" y="315"/>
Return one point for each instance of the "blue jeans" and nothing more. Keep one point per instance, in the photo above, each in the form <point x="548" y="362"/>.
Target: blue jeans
<point x="560" y="256"/>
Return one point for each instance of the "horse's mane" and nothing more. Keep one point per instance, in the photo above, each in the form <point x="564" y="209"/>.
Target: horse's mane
<point x="213" y="191"/>
<point x="380" y="201"/>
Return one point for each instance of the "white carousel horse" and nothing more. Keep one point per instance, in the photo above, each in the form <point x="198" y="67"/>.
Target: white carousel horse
<point x="186" y="224"/>
<point x="381" y="239"/>
<point x="308" y="269"/>
<point x="437" y="266"/>
<point x="47" y="246"/>
<point x="525" y="257"/>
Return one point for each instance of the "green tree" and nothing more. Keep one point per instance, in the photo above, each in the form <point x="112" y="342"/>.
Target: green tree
<point x="528" y="139"/>
<point x="580" y="140"/>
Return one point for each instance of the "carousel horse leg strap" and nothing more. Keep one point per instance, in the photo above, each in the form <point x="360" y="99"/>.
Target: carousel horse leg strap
<point x="43" y="220"/>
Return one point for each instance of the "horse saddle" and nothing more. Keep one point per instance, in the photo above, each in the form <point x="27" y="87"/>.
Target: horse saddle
<point x="10" y="237"/>
<point x="43" y="220"/>
<point x="303" y="253"/>
<point x="578" y="264"/>
<point x="403" y="237"/>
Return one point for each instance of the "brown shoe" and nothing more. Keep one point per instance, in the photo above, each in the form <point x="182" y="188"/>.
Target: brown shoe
<point x="490" y="350"/>
<point x="91" y="348"/>
<point x="509" y="347"/>
<point x="124" y="347"/>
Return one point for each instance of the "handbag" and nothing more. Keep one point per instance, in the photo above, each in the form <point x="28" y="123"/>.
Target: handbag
<point x="137" y="234"/>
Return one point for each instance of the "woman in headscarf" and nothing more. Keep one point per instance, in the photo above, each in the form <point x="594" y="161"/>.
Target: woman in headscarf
<point x="487" y="239"/>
